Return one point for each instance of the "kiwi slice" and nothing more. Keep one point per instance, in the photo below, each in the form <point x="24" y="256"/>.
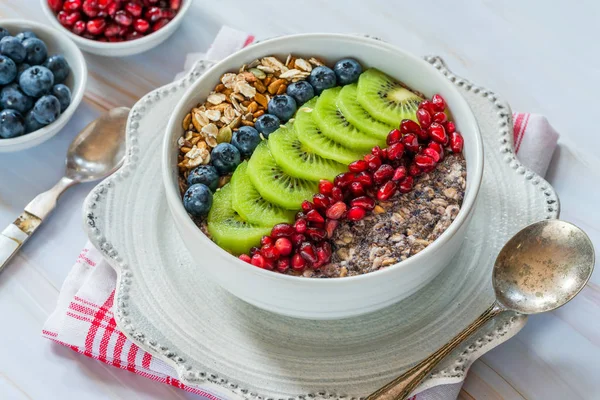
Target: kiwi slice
<point x="273" y="184"/>
<point x="385" y="98"/>
<point x="358" y="116"/>
<point x="297" y="160"/>
<point x="312" y="137"/>
<point x="228" y="229"/>
<point x="247" y="202"/>
<point x="336" y="127"/>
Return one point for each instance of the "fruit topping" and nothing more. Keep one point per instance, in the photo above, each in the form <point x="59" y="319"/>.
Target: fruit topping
<point x="283" y="107"/>
<point x="347" y="71"/>
<point x="322" y="78"/>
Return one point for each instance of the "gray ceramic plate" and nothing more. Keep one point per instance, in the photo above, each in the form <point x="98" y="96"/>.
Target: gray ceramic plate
<point x="217" y="342"/>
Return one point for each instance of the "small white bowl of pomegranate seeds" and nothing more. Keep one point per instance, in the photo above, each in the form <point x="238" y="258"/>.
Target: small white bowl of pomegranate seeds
<point x="116" y="28"/>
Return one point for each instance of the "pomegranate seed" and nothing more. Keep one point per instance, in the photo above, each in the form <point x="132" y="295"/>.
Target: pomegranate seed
<point x="356" y="213"/>
<point x="141" y="25"/>
<point x="112" y="30"/>
<point x="316" y="234"/>
<point x="406" y="185"/>
<point x="258" y="260"/>
<point x="423" y="135"/>
<point x="378" y="152"/>
<point x="337" y="210"/>
<point x="79" y="27"/>
<point x="383" y="174"/>
<point x="424" y="118"/>
<point x="96" y="26"/>
<point x="123" y="18"/>
<point x="440" y="117"/>
<point x="323" y="253"/>
<point x="438" y="149"/>
<point x="284" y="246"/>
<point x="400" y="173"/>
<point x="386" y="191"/>
<point x="68" y="19"/>
<point x="358" y="166"/>
<point x="330" y="226"/>
<point x="124" y="30"/>
<point x="298" y="263"/>
<point x="343" y="180"/>
<point x="438" y="102"/>
<point x="325" y="187"/>
<point x="427" y="106"/>
<point x="364" y="178"/>
<point x="365" y="202"/>
<point x="153" y="14"/>
<point x="300" y="225"/>
<point x="55" y="5"/>
<point x="72" y="5"/>
<point x="308" y="252"/>
<point x="373" y="162"/>
<point x="283" y="264"/>
<point x="102" y="4"/>
<point x="321" y="201"/>
<point x="134" y="9"/>
<point x="337" y="194"/>
<point x="450" y="127"/>
<point x="437" y="133"/>
<point x="297" y="239"/>
<point x="456" y="142"/>
<point x="424" y="161"/>
<point x="409" y="126"/>
<point x="411" y="143"/>
<point x="266" y="240"/>
<point x="245" y="258"/>
<point x="282" y="230"/>
<point x="393" y="137"/>
<point x="306" y="206"/>
<point x="132" y="35"/>
<point x="113" y="8"/>
<point x="90" y="9"/>
<point x="395" y="151"/>
<point x="413" y="170"/>
<point x="270" y="264"/>
<point x="432" y="153"/>
<point x="315" y="216"/>
<point x="357" y="189"/>
<point x="254" y="250"/>
<point x="175" y="4"/>
<point x="270" y="252"/>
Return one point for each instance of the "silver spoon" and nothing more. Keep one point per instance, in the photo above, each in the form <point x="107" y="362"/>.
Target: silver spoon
<point x="540" y="269"/>
<point x="96" y="152"/>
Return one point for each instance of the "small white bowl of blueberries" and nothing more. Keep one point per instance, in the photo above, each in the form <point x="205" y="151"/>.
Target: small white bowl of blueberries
<point x="42" y="81"/>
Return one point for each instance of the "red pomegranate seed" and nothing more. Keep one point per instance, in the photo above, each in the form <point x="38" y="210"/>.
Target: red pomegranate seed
<point x="123" y="18"/>
<point x="153" y="14"/>
<point x="432" y="153"/>
<point x="395" y="151"/>
<point x="364" y="178"/>
<point x="134" y="9"/>
<point x="356" y="213"/>
<point x="423" y="135"/>
<point x="400" y="173"/>
<point x="337" y="210"/>
<point x="90" y="9"/>
<point x="456" y="142"/>
<point x="68" y="19"/>
<point x="357" y="189"/>
<point x="373" y="162"/>
<point x="298" y="263"/>
<point x="450" y="127"/>
<point x="358" y="166"/>
<point x="438" y="102"/>
<point x="282" y="230"/>
<point x="406" y="185"/>
<point x="386" y="191"/>
<point x="111" y="30"/>
<point x="427" y="106"/>
<point x="96" y="26"/>
<point x="113" y="8"/>
<point x="308" y="252"/>
<point x="175" y="4"/>
<point x="440" y="117"/>
<point x="321" y="201"/>
<point x="337" y="194"/>
<point x="297" y="239"/>
<point x="115" y="39"/>
<point x="413" y="170"/>
<point x="270" y="252"/>
<point x="266" y="240"/>
<point x="314" y="216"/>
<point x="259" y="261"/>
<point x="424" y="118"/>
<point x="323" y="253"/>
<point x="424" y="161"/>
<point x="141" y="25"/>
<point x="343" y="180"/>
<point x="72" y="5"/>
<point x="132" y="35"/>
<point x="125" y="30"/>
<point x="365" y="202"/>
<point x="383" y="174"/>
<point x="409" y="126"/>
<point x="411" y="143"/>
<point x="55" y="5"/>
<point x="254" y="250"/>
<point x="245" y="257"/>
<point x="378" y="152"/>
<point x="79" y="27"/>
<point x="300" y="225"/>
<point x="325" y="187"/>
<point x="330" y="226"/>
<point x="316" y="234"/>
<point x="393" y="137"/>
<point x="283" y="264"/>
<point x="306" y="206"/>
<point x="284" y="246"/>
<point x="438" y="149"/>
<point x="437" y="133"/>
<point x="102" y="4"/>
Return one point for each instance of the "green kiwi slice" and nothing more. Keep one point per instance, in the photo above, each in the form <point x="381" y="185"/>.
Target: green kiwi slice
<point x="273" y="184"/>
<point x="337" y="128"/>
<point x="297" y="160"/>
<point x="247" y="202"/>
<point x="358" y="116"/>
<point x="228" y="229"/>
<point x="385" y="98"/>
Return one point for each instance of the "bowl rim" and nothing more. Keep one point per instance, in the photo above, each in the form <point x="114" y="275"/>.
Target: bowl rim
<point x="186" y="4"/>
<point x="474" y="179"/>
<point x="79" y="82"/>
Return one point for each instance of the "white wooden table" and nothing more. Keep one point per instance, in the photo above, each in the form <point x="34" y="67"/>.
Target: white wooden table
<point x="541" y="56"/>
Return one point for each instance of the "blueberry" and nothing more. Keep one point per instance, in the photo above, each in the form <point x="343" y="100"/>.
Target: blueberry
<point x="46" y="110"/>
<point x="197" y="200"/>
<point x="31" y="124"/>
<point x="36" y="81"/>
<point x="20" y="69"/>
<point x="11" y="124"/>
<point x="25" y="35"/>
<point x="282" y="106"/>
<point x="63" y="94"/>
<point x="4" y="33"/>
<point x="225" y="157"/>
<point x="267" y="124"/>
<point x="13" y="48"/>
<point x="206" y="175"/>
<point x="8" y="70"/>
<point x="301" y="91"/>
<point x="246" y="139"/>
<point x="12" y="97"/>
<point x="36" y="51"/>
<point x="347" y="71"/>
<point x="59" y="67"/>
<point x="322" y="78"/>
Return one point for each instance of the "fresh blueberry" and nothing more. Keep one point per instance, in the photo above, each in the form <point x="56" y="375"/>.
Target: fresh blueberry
<point x="8" y="70"/>
<point x="46" y="110"/>
<point x="197" y="200"/>
<point x="225" y="157"/>
<point x="31" y="124"/>
<point x="11" y="124"/>
<point x="63" y="94"/>
<point x="267" y="124"/>
<point x="36" y="51"/>
<point x="322" y="78"/>
<point x="12" y="47"/>
<point x="246" y="139"/>
<point x="206" y="175"/>
<point x="25" y="35"/>
<point x="59" y="67"/>
<point x="301" y="91"/>
<point x="36" y="81"/>
<point x="347" y="71"/>
<point x="4" y="33"/>
<point x="20" y="69"/>
<point x="282" y="106"/>
<point x="12" y="97"/>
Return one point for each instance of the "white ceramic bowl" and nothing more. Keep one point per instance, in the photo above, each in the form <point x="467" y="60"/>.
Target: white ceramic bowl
<point x="57" y="43"/>
<point x="338" y="297"/>
<point x="120" y="49"/>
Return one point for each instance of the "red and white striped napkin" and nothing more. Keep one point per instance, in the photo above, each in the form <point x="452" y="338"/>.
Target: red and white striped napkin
<point x="84" y="320"/>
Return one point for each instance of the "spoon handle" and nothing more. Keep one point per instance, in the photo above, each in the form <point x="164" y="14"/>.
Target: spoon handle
<point x="403" y="385"/>
<point x="17" y="233"/>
